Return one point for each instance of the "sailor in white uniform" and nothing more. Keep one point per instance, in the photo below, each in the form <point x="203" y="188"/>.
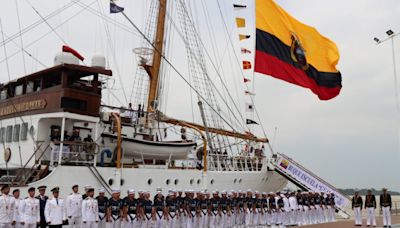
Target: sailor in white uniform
<point x="74" y="208"/>
<point x="29" y="210"/>
<point x="294" y="209"/>
<point x="55" y="211"/>
<point x="18" y="219"/>
<point x="7" y="208"/>
<point x="90" y="211"/>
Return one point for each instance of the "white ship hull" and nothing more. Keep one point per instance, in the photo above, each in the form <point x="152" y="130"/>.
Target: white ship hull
<point x="138" y="179"/>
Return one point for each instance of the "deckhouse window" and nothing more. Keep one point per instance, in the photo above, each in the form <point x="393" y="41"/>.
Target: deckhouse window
<point x="24" y="131"/>
<point x="9" y="133"/>
<point x="30" y="87"/>
<point x="3" y="94"/>
<point x="16" y="132"/>
<point x="19" y="90"/>
<point x="2" y="134"/>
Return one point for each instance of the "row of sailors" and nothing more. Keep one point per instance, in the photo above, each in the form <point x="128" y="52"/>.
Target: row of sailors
<point x="177" y="209"/>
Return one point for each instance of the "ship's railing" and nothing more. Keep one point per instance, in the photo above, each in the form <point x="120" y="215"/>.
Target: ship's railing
<point x="217" y="162"/>
<point x="73" y="152"/>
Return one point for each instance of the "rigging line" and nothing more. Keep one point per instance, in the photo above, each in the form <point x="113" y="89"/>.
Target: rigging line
<point x="238" y="62"/>
<point x="20" y="35"/>
<point x="215" y="68"/>
<point x="113" y="52"/>
<point x="108" y="19"/>
<point x="175" y="69"/>
<point x="40" y="21"/>
<point x="26" y="52"/>
<point x="49" y="32"/>
<point x="44" y="19"/>
<point x="5" y="50"/>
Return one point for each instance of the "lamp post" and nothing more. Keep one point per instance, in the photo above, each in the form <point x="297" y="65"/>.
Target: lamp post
<point x="391" y="35"/>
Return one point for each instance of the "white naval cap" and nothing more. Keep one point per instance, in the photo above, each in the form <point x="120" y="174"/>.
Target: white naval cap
<point x="102" y="190"/>
<point x="223" y="192"/>
<point x="116" y="191"/>
<point x="87" y="187"/>
<point x="131" y="191"/>
<point x="249" y="190"/>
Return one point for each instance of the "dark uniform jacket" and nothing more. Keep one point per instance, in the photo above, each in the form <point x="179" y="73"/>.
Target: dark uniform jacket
<point x="356" y="202"/>
<point x="385" y="200"/>
<point x="42" y="205"/>
<point x="370" y="201"/>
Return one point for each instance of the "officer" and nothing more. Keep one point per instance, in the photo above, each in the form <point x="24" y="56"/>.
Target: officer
<point x="370" y="206"/>
<point x="102" y="201"/>
<point x="74" y="207"/>
<point x="385" y="201"/>
<point x="42" y="203"/>
<point x="286" y="207"/>
<point x="171" y="204"/>
<point x="85" y="188"/>
<point x="29" y="210"/>
<point x="18" y="219"/>
<point x="55" y="211"/>
<point x="90" y="211"/>
<point x="159" y="206"/>
<point x="131" y="206"/>
<point x="114" y="210"/>
<point x="356" y="205"/>
<point x="7" y="208"/>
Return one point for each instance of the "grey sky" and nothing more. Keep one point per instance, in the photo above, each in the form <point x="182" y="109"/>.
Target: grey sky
<point x="351" y="141"/>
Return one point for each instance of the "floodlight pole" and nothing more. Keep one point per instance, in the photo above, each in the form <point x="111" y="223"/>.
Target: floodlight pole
<point x="391" y="38"/>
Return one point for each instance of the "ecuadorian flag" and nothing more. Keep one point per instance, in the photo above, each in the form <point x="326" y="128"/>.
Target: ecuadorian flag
<point x="294" y="52"/>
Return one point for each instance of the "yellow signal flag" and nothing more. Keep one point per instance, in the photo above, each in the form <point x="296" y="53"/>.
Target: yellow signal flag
<point x="243" y="37"/>
<point x="240" y="22"/>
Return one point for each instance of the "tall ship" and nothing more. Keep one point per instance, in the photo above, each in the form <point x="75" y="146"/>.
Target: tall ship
<point x="56" y="128"/>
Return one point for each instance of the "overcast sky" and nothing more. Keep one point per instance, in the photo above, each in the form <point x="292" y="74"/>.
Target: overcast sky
<point x="351" y="141"/>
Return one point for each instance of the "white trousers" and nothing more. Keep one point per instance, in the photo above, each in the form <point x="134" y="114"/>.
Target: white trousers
<point x="75" y="222"/>
<point x="215" y="221"/>
<point x="387" y="220"/>
<point x="5" y="225"/>
<point x="90" y="225"/>
<point x="18" y="225"/>
<point x="371" y="216"/>
<point x="357" y="215"/>
<point x="113" y="224"/>
<point x="248" y="218"/>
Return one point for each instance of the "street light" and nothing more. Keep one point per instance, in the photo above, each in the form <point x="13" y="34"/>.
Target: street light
<point x="391" y="36"/>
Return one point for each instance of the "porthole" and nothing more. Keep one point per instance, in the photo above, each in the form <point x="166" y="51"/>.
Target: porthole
<point x="198" y="181"/>
<point x="191" y="181"/>
<point x="110" y="181"/>
<point x="240" y="180"/>
<point x="168" y="181"/>
<point x="234" y="181"/>
<point x="176" y="181"/>
<point x="149" y="181"/>
<point x="212" y="181"/>
<point x="122" y="182"/>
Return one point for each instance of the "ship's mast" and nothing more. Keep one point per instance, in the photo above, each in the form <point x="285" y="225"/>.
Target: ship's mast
<point x="154" y="70"/>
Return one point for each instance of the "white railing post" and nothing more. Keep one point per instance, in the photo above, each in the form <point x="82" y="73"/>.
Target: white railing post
<point x="62" y="141"/>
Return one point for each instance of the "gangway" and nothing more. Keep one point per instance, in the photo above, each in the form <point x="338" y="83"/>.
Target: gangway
<point x="307" y="180"/>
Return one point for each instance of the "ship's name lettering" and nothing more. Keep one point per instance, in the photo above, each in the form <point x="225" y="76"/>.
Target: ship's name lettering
<point x="23" y="107"/>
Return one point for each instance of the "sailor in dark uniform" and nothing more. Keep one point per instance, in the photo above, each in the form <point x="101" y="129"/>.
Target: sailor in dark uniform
<point x="257" y="213"/>
<point x="332" y="207"/>
<point x="191" y="210"/>
<point x="313" y="210"/>
<point x="272" y="209"/>
<point x="307" y="210"/>
<point x="280" y="205"/>
<point x="203" y="203"/>
<point x="324" y="203"/>
<point x="248" y="208"/>
<point x="215" y="210"/>
<point x="386" y="207"/>
<point x="300" y="215"/>
<point x="240" y="205"/>
<point x="264" y="219"/>
<point x="159" y="206"/>
<point x="102" y="201"/>
<point x="370" y="206"/>
<point x="148" y="212"/>
<point x="171" y="206"/>
<point x="356" y="205"/>
<point x="130" y="204"/>
<point x="180" y="200"/>
<point x="114" y="210"/>
<point x="233" y="196"/>
<point x="224" y="204"/>
<point x="42" y="204"/>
